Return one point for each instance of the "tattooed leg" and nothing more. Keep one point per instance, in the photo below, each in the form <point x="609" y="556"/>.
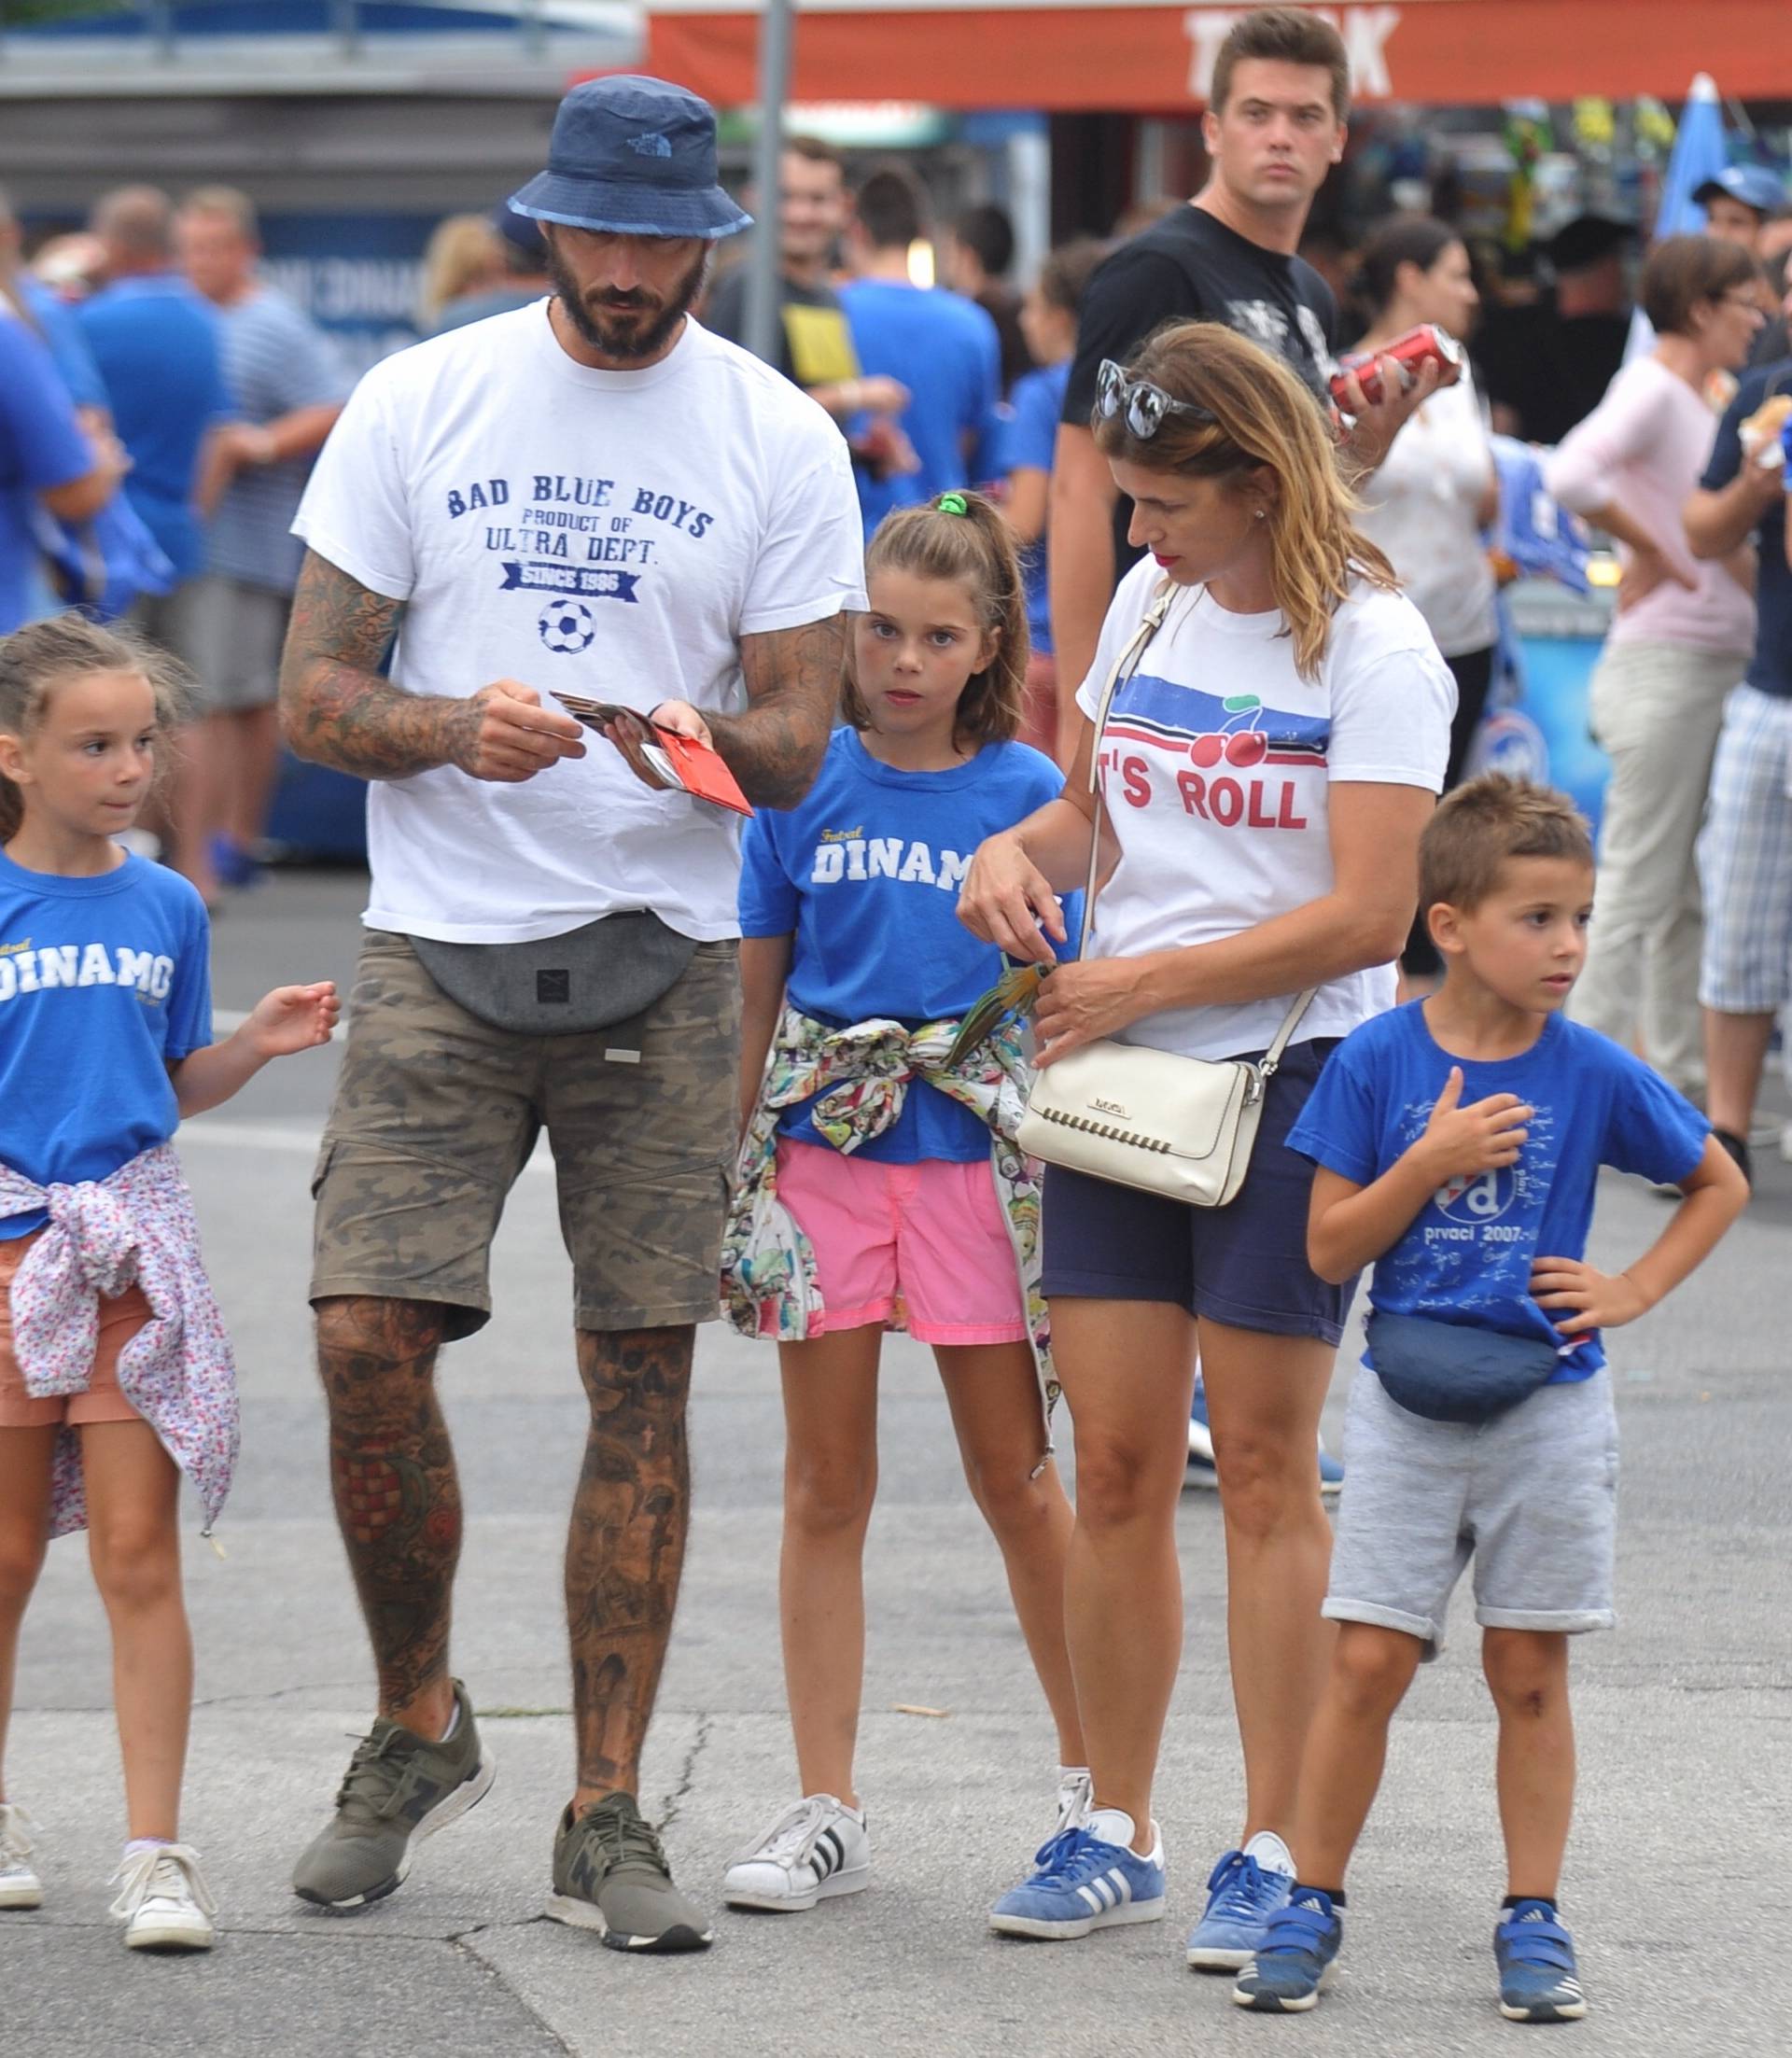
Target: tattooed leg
<point x="625" y="1546"/>
<point x="398" y="1499"/>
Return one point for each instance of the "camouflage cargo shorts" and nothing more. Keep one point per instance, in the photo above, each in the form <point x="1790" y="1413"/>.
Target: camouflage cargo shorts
<point x="436" y="1113"/>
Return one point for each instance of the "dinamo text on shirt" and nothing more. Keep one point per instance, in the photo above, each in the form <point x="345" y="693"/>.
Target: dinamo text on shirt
<point x="613" y="534"/>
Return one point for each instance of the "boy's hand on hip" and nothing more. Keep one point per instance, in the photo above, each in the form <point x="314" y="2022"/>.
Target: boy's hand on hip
<point x="1595" y="1299"/>
<point x="1487" y="1135"/>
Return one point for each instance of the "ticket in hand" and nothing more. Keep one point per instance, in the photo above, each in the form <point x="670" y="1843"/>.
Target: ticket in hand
<point x="683" y="762"/>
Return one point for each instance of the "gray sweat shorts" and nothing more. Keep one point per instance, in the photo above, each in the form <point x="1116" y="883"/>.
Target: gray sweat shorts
<point x="1531" y="1497"/>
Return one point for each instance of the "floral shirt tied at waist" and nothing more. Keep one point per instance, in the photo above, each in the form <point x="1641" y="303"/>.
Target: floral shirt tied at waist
<point x="135" y="1228"/>
<point x="861" y="1074"/>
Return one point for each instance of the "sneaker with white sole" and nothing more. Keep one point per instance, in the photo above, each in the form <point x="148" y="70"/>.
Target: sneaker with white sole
<point x="399" y="1788"/>
<point x="1244" y="1889"/>
<point x="1539" y="1980"/>
<point x="164" y="1901"/>
<point x="20" y="1887"/>
<point x="1085" y="1878"/>
<point x="816" y="1849"/>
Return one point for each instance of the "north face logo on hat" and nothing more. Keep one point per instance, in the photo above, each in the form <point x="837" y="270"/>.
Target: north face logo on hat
<point x="651" y="145"/>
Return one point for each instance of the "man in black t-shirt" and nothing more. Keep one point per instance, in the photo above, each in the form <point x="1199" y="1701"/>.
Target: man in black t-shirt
<point x="815" y="345"/>
<point x="1746" y="972"/>
<point x="1275" y="125"/>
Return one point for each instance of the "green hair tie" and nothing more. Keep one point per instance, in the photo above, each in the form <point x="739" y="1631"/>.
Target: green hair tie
<point x="953" y="503"/>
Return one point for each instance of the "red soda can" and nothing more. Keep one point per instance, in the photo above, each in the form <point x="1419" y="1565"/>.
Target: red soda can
<point x="1410" y="353"/>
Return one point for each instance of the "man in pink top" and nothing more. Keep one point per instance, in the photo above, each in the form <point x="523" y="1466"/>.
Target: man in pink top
<point x="1679" y="643"/>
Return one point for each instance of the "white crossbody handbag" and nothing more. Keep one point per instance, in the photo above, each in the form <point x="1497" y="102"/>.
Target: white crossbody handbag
<point x="1179" y="1127"/>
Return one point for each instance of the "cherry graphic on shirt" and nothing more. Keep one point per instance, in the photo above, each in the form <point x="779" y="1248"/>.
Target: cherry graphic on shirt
<point x="1245" y="745"/>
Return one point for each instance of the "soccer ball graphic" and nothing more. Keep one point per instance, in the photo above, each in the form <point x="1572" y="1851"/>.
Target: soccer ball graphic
<point x="568" y="626"/>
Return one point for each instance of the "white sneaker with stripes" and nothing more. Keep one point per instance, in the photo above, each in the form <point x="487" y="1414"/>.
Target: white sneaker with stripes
<point x="816" y="1849"/>
<point x="20" y="1887"/>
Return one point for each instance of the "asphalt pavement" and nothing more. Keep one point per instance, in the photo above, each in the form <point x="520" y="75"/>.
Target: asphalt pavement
<point x="1677" y="1878"/>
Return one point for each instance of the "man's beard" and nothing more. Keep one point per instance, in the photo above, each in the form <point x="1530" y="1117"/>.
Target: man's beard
<point x="634" y="327"/>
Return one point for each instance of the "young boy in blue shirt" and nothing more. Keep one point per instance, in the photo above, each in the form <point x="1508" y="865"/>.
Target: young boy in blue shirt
<point x="1458" y="1142"/>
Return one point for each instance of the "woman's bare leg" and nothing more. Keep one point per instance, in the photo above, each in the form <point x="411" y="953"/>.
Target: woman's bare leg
<point x="1129" y="1374"/>
<point x="1264" y="1397"/>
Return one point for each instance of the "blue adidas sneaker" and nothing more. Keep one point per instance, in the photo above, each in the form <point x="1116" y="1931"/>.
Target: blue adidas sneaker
<point x="1084" y="1883"/>
<point x="1297" y="1957"/>
<point x="1241" y="1896"/>
<point x="1539" y="1981"/>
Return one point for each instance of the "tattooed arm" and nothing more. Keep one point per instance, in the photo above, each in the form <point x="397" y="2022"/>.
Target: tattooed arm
<point x="793" y="678"/>
<point x="336" y="709"/>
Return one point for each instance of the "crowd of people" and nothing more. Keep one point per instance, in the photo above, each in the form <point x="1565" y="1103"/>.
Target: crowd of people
<point x="1238" y="597"/>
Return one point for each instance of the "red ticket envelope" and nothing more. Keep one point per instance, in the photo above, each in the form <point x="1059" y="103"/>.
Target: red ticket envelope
<point x="702" y="770"/>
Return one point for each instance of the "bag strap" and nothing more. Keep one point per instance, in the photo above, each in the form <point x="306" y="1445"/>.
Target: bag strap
<point x="1125" y="666"/>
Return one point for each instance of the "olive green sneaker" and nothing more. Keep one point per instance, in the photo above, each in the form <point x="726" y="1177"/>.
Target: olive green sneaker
<point x="398" y="1790"/>
<point x="610" y="1875"/>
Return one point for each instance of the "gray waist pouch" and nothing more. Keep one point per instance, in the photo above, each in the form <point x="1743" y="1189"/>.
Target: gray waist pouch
<point x="1451" y="1373"/>
<point x="603" y="976"/>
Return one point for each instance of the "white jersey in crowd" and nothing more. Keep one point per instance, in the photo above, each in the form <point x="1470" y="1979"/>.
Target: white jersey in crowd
<point x="612" y="534"/>
<point x="1216" y="765"/>
<point x="1420" y="507"/>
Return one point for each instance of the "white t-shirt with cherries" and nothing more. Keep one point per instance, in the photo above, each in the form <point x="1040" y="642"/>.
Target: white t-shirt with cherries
<point x="612" y="534"/>
<point x="1216" y="766"/>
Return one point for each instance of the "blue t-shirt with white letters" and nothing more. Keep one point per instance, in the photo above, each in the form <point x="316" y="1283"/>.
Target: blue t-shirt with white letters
<point x="103" y="982"/>
<point x="864" y="873"/>
<point x="1467" y="1258"/>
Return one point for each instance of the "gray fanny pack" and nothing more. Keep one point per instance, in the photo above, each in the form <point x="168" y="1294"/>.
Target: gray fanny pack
<point x="606" y="975"/>
<point x="1451" y="1373"/>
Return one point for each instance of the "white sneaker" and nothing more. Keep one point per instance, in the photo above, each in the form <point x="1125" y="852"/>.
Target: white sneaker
<point x="20" y="1887"/>
<point x="163" y="1900"/>
<point x="1075" y="1790"/>
<point x="816" y="1849"/>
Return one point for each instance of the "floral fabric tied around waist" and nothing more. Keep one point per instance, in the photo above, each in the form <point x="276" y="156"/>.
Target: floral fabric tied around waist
<point x="861" y="1076"/>
<point x="133" y="1229"/>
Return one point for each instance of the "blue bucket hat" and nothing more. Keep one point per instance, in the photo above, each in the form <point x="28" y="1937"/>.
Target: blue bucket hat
<point x="635" y="157"/>
<point x="1754" y="185"/>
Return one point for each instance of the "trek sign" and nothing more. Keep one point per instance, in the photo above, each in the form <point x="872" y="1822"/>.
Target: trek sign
<point x="1085" y="56"/>
<point x="1367" y="32"/>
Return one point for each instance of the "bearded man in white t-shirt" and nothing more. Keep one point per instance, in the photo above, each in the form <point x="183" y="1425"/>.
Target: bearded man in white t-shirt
<point x="589" y="495"/>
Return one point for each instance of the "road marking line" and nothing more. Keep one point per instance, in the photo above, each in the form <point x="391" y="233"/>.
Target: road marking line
<point x="299" y="1140"/>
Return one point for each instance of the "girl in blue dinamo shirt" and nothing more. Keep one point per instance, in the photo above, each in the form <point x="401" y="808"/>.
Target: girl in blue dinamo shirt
<point x="115" y="1371"/>
<point x="849" y="918"/>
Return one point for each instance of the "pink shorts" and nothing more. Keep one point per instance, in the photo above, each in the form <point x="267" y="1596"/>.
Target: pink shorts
<point x="103" y="1400"/>
<point x="932" y="1233"/>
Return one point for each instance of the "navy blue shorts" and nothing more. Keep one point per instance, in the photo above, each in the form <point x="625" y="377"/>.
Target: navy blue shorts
<point x="1244" y="1265"/>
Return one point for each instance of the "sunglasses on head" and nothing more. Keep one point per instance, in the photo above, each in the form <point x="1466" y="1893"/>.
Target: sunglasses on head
<point x="1143" y="404"/>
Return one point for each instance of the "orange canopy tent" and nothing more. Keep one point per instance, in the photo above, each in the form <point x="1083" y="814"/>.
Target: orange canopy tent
<point x="1070" y="56"/>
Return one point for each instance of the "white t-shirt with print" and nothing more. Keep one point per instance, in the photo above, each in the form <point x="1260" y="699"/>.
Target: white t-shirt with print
<point x="612" y="534"/>
<point x="1216" y="765"/>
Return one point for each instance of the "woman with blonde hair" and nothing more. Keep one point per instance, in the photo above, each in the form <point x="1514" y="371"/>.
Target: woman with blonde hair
<point x="463" y="257"/>
<point x="1266" y="767"/>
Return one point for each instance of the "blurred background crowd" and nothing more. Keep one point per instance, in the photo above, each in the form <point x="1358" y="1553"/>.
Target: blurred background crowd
<point x="221" y="214"/>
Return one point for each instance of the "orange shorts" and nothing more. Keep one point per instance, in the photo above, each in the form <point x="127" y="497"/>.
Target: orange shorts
<point x="103" y="1402"/>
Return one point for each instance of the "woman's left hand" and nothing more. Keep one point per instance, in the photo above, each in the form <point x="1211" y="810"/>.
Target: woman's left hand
<point x="1081" y="1003"/>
